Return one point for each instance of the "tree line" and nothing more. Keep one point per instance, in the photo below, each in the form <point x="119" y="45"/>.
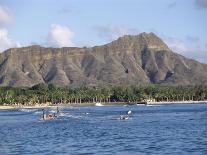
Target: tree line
<point x="43" y="93"/>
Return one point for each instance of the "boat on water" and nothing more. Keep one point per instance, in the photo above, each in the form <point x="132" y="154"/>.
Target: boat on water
<point x="142" y="103"/>
<point x="98" y="104"/>
<point x="50" y="116"/>
<point x="137" y="103"/>
<point x="46" y="117"/>
<point x="131" y="103"/>
<point x="125" y="117"/>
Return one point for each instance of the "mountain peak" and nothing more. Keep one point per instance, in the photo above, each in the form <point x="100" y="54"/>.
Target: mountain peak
<point x="153" y="41"/>
<point x="145" y="40"/>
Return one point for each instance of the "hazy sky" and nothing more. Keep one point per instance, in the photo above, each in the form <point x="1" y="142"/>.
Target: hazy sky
<point x="182" y="24"/>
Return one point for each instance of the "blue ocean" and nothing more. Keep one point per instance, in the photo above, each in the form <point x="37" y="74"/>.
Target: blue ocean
<point x="154" y="129"/>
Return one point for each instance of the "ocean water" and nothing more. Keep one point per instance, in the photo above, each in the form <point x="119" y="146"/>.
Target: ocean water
<point x="160" y="129"/>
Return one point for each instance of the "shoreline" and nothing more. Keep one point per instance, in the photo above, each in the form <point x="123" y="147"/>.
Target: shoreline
<point x="8" y="107"/>
<point x="179" y="102"/>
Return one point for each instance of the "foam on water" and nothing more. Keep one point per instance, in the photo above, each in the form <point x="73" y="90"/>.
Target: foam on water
<point x="52" y="111"/>
<point x="28" y="110"/>
<point x="37" y="112"/>
<point x="153" y="105"/>
<point x="69" y="115"/>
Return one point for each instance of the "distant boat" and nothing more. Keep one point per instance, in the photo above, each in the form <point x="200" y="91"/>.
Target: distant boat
<point x="137" y="103"/>
<point x="48" y="117"/>
<point x="98" y="104"/>
<point x="131" y="103"/>
<point x="142" y="103"/>
<point x="125" y="117"/>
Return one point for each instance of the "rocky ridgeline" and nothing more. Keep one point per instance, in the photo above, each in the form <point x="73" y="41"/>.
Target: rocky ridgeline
<point x="139" y="59"/>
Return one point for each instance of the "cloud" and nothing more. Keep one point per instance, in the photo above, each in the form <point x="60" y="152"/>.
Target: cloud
<point x="114" y="32"/>
<point x="201" y="3"/>
<point x="60" y="36"/>
<point x="190" y="47"/>
<point x="5" y="16"/>
<point x="5" y="41"/>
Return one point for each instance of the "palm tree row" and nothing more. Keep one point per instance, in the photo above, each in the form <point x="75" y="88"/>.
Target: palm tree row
<point x="42" y="93"/>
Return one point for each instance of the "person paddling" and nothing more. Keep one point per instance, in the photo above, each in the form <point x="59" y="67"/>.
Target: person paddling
<point x="57" y="111"/>
<point x="43" y="114"/>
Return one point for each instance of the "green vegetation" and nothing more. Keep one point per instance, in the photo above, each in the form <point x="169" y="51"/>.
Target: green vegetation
<point x="42" y="93"/>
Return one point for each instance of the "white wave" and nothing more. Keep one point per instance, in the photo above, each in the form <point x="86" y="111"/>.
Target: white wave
<point x="72" y="116"/>
<point x="69" y="115"/>
<point x="27" y="110"/>
<point x="153" y="105"/>
<point x="62" y="114"/>
<point x="52" y="111"/>
<point x="37" y="112"/>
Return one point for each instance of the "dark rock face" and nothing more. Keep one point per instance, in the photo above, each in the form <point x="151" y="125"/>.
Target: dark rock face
<point x="137" y="59"/>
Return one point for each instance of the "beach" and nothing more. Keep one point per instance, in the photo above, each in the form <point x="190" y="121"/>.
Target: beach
<point x="178" y="102"/>
<point x="6" y="107"/>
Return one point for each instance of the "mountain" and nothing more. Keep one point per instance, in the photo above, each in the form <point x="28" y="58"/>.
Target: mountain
<point x="138" y="59"/>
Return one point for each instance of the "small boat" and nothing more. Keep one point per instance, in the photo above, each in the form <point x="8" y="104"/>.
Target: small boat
<point x="142" y="103"/>
<point x="131" y="103"/>
<point x="50" y="116"/>
<point x="98" y="104"/>
<point x="125" y="117"/>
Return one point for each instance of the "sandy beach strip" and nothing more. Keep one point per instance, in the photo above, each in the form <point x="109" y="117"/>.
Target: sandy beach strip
<point x="178" y="102"/>
<point x="7" y="107"/>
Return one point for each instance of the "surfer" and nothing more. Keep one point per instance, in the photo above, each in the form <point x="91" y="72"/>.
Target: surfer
<point x="43" y="114"/>
<point x="57" y="111"/>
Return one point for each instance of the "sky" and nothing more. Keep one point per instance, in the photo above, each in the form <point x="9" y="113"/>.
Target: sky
<point x="182" y="24"/>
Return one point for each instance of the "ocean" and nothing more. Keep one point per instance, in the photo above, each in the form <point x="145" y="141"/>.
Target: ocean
<point x="154" y="129"/>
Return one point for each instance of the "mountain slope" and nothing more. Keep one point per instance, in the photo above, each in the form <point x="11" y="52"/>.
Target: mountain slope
<point x="139" y="59"/>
